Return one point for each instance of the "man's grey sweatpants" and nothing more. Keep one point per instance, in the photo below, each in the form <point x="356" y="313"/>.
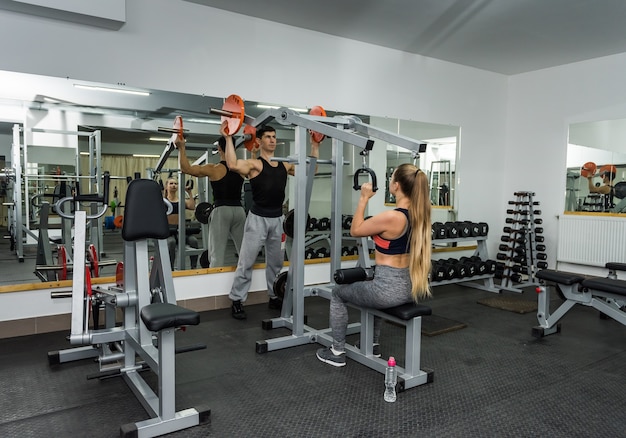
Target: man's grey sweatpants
<point x="259" y="231"/>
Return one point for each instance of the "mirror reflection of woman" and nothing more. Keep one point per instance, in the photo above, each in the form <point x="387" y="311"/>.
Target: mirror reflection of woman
<point x="171" y="194"/>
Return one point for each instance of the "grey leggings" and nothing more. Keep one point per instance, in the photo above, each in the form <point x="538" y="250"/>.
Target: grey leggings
<point x="390" y="287"/>
<point x="172" y="245"/>
<point x="258" y="232"/>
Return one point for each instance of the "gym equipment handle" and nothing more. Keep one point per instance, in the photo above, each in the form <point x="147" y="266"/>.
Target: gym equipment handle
<point x="357" y="186"/>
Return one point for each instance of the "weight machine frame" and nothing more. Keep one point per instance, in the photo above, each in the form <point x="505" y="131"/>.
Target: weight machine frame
<point x="341" y="129"/>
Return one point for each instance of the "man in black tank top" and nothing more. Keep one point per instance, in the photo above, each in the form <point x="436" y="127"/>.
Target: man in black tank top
<point x="228" y="217"/>
<point x="264" y="224"/>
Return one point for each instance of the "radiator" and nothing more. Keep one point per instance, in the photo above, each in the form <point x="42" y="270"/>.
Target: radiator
<point x="591" y="240"/>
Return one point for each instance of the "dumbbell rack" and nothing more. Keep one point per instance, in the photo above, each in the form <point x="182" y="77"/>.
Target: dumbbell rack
<point x="522" y="251"/>
<point x="481" y="281"/>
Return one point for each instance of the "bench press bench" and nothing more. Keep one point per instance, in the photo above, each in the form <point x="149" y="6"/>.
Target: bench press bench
<point x="606" y="294"/>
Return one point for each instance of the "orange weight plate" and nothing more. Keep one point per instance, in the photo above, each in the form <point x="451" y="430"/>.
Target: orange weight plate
<point x="234" y="105"/>
<point x="118" y="221"/>
<point x="177" y="129"/>
<point x="317" y="111"/>
<point x="119" y="274"/>
<point x="588" y="169"/>
<point x="249" y="143"/>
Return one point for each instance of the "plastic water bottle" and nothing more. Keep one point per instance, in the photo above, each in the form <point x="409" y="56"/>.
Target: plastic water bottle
<point x="390" y="380"/>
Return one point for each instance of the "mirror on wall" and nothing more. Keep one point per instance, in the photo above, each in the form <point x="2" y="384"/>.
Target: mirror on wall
<point x="438" y="159"/>
<point x="596" y="167"/>
<point x="130" y="143"/>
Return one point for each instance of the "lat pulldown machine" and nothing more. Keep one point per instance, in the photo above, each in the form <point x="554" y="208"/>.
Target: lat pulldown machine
<point x="351" y="130"/>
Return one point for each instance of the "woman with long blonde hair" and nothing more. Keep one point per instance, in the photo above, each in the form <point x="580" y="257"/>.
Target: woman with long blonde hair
<point x="402" y="238"/>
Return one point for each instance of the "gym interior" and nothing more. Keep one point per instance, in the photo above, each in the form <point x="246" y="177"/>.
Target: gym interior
<point x="523" y="334"/>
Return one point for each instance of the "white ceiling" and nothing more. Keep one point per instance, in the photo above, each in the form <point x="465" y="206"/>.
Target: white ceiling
<point x="503" y="36"/>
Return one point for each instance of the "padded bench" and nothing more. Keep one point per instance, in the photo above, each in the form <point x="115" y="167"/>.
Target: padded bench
<point x="604" y="294"/>
<point x="159" y="316"/>
<point x="408" y="315"/>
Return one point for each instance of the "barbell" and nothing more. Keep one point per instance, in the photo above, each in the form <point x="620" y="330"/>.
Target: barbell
<point x="233" y="112"/>
<point x="177" y="129"/>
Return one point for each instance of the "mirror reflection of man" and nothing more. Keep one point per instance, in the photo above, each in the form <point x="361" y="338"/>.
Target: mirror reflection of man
<point x="607" y="173"/>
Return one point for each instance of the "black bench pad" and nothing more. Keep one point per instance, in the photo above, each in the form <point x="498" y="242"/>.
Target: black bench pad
<point x="408" y="311"/>
<point x="616" y="266"/>
<point x="561" y="277"/>
<point x="159" y="316"/>
<point x="606" y="285"/>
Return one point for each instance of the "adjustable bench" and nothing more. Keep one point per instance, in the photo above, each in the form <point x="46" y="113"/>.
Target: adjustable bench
<point x="607" y="295"/>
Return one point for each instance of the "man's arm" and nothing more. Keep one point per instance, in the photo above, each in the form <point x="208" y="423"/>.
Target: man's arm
<point x="242" y="167"/>
<point x="315" y="153"/>
<point x="209" y="170"/>
<point x="593" y="189"/>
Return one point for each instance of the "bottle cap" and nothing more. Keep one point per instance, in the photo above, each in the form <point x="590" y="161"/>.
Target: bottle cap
<point x="392" y="361"/>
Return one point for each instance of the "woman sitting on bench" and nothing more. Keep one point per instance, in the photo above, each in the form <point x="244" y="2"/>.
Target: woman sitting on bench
<point x="403" y="248"/>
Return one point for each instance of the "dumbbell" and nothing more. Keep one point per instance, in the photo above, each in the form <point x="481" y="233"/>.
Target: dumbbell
<point x="520" y="269"/>
<point x="323" y="224"/>
<point x="509" y="220"/>
<point x="541" y="256"/>
<point x="452" y="231"/>
<point x="520" y="250"/>
<point x="439" y="230"/>
<point x="309" y="253"/>
<point x="312" y="224"/>
<point x="539" y="239"/>
<point x="437" y="271"/>
<point x="321" y="253"/>
<point x="538" y="230"/>
<point x="451" y="269"/>
<point x="520" y="240"/>
<point x="540" y="247"/>
<point x="471" y="265"/>
<point x="542" y="265"/>
<point x="346" y="222"/>
<point x="464" y="229"/>
<point x="519" y="259"/>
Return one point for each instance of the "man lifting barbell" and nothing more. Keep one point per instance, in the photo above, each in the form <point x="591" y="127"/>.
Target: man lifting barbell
<point x="607" y="173"/>
<point x="227" y="217"/>
<point x="264" y="224"/>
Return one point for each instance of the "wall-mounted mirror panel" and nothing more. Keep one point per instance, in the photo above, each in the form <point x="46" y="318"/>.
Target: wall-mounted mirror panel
<point x="596" y="167"/>
<point x="51" y="111"/>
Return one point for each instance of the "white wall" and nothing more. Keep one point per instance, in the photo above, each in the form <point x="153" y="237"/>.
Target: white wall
<point x="212" y="52"/>
<point x="541" y="106"/>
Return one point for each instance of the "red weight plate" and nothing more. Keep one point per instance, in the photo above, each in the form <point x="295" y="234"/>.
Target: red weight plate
<point x="93" y="259"/>
<point x="119" y="274"/>
<point x="63" y="261"/>
<point x="250" y="143"/>
<point x="234" y="105"/>
<point x="317" y="111"/>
